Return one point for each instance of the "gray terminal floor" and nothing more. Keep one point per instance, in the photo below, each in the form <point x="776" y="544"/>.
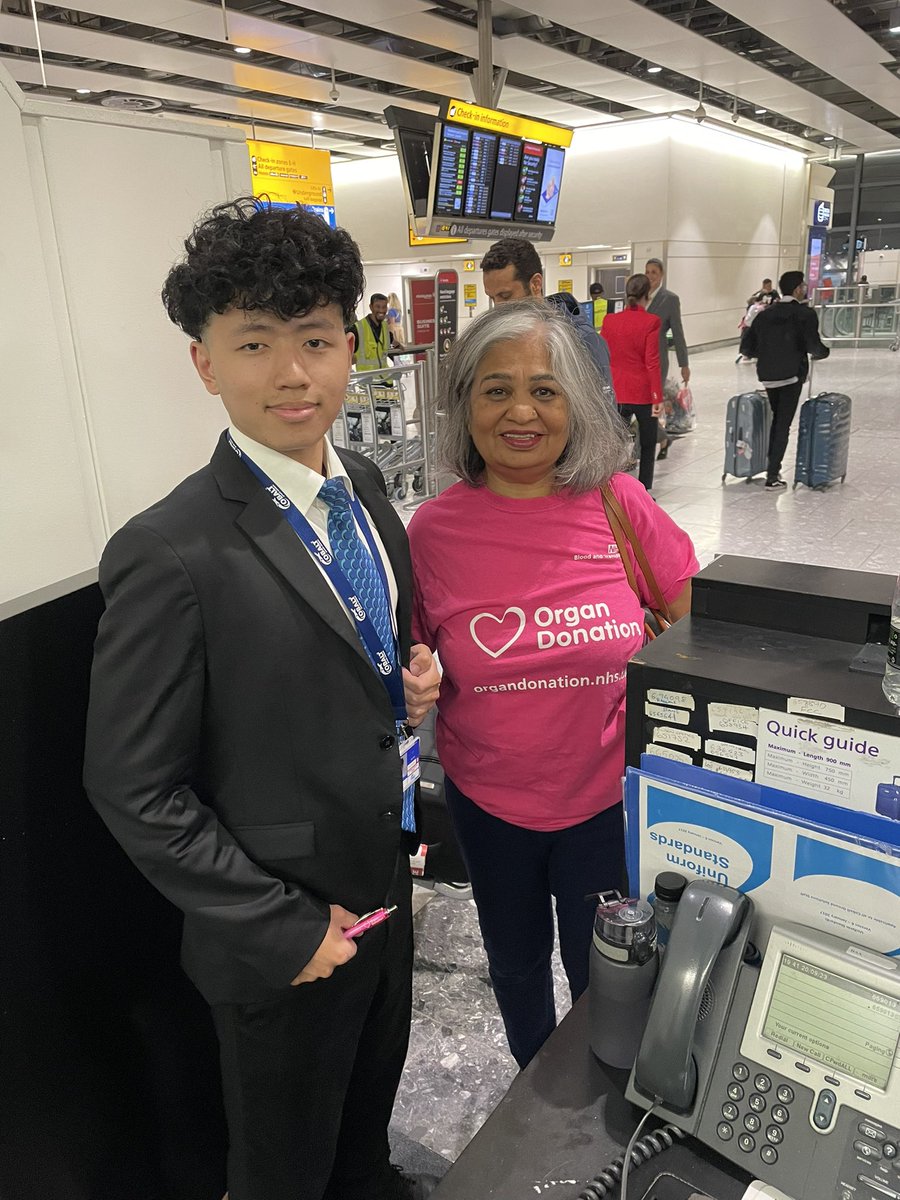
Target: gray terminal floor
<point x="458" y="1066"/>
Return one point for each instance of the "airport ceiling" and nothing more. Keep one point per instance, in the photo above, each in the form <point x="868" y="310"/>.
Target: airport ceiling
<point x="821" y="75"/>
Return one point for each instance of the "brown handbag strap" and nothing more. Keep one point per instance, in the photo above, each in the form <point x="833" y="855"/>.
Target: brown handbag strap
<point x="623" y="532"/>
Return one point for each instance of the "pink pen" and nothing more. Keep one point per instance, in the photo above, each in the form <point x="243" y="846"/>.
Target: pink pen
<point x="369" y="921"/>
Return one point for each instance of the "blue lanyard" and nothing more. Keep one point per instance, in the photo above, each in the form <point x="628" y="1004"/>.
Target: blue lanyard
<point x="383" y="660"/>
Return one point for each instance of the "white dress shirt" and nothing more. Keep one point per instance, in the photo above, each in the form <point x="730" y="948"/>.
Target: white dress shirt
<point x="301" y="486"/>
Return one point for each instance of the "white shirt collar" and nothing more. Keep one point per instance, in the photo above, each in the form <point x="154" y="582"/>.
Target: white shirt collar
<point x="299" y="483"/>
<point x="654" y="294"/>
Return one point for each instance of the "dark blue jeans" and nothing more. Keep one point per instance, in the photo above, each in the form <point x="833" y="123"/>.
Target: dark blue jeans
<point x="515" y="875"/>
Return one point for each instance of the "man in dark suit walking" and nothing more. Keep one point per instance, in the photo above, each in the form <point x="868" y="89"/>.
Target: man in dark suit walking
<point x="248" y="704"/>
<point x="667" y="306"/>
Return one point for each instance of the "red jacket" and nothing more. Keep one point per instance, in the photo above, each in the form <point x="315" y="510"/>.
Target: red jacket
<point x="633" y="339"/>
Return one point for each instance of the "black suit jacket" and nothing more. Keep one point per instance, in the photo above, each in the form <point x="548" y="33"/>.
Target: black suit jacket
<point x="240" y="745"/>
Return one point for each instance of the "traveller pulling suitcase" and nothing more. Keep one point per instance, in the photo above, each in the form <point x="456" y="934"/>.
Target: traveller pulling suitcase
<point x="747" y="424"/>
<point x="823" y="441"/>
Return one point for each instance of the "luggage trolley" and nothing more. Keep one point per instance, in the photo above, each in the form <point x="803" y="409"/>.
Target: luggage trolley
<point x="374" y="422"/>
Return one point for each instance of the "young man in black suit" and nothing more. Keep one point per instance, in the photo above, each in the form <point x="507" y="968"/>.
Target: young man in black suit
<point x="242" y="743"/>
<point x="783" y="338"/>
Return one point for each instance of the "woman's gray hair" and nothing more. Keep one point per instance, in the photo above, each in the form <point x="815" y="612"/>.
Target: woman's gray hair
<point x="598" y="444"/>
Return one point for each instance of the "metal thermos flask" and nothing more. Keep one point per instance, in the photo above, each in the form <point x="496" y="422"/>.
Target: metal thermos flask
<point x="623" y="968"/>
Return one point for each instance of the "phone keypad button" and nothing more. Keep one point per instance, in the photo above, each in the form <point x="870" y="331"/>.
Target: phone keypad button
<point x="741" y="1072"/>
<point x="752" y="1123"/>
<point x="866" y="1150"/>
<point x="780" y="1115"/>
<point x="724" y="1131"/>
<point x="730" y="1111"/>
<point x="889" y="1150"/>
<point x="757" y="1102"/>
<point x="762" y="1083"/>
<point x="747" y="1143"/>
<point x="735" y="1092"/>
<point x="785" y="1094"/>
<point x="769" y="1155"/>
<point x="775" y="1135"/>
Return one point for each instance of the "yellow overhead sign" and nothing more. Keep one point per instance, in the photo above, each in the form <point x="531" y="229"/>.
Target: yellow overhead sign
<point x="469" y="265"/>
<point x="290" y="174"/>
<point x="415" y="240"/>
<point x="565" y="260"/>
<point x="502" y="122"/>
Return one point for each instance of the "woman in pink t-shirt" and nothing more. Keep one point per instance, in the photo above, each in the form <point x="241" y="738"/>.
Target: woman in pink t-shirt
<point x="520" y="588"/>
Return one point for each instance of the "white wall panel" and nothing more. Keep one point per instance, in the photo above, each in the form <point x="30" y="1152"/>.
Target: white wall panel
<point x="51" y="527"/>
<point x="151" y="421"/>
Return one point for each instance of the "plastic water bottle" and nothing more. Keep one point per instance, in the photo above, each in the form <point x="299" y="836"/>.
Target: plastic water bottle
<point x="666" y="893"/>
<point x="891" y="684"/>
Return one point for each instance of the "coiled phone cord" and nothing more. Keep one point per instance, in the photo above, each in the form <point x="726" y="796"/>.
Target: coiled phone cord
<point x="636" y="1152"/>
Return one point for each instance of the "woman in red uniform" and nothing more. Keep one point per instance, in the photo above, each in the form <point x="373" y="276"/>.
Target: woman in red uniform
<point x="633" y="339"/>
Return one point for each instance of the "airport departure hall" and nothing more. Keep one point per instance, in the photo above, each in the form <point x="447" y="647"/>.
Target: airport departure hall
<point x="450" y="606"/>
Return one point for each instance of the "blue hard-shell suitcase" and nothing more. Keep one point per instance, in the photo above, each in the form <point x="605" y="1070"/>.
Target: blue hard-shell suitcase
<point x="823" y="443"/>
<point x="747" y="423"/>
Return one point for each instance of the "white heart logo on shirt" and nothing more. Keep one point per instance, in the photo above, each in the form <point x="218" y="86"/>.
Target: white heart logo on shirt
<point x="515" y="612"/>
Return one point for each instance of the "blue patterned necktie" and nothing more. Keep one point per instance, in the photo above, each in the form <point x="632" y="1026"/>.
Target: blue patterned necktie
<point x="353" y="557"/>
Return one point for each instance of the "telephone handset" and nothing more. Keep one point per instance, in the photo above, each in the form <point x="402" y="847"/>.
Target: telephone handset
<point x="710" y="932"/>
<point x="788" y="1066"/>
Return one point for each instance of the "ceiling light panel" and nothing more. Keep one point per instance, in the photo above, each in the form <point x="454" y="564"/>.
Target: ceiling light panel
<point x="629" y="26"/>
<point x="826" y="37"/>
<point x="104" y="47"/>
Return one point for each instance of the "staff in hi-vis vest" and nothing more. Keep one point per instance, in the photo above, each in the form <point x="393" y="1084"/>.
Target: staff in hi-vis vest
<point x="600" y="305"/>
<point x="373" y="338"/>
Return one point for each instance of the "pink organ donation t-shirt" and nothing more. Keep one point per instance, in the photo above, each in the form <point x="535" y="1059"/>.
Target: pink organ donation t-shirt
<point x="527" y="603"/>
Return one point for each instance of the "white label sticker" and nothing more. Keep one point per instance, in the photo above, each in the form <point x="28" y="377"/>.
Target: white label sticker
<point x="677" y="737"/>
<point x="668" y="752"/>
<point x="727" y="769"/>
<point x="733" y="718"/>
<point x="675" y="716"/>
<point x="815" y="708"/>
<point x="674" y="699"/>
<point x="730" y="750"/>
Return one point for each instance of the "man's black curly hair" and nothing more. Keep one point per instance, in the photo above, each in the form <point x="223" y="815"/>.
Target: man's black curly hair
<point x="250" y="255"/>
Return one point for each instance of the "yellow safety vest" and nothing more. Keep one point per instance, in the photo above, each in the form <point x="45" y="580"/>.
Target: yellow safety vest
<point x="600" y="307"/>
<point x="370" y="353"/>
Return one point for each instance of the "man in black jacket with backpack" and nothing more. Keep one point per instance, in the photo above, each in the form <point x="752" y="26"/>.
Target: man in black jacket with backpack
<point x="781" y="339"/>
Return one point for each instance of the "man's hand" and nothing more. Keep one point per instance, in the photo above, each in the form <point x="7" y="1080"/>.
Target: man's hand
<point x="421" y="684"/>
<point x="686" y="374"/>
<point x="334" y="949"/>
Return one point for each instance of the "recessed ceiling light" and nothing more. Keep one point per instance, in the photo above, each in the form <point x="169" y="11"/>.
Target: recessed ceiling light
<point x="653" y="70"/>
<point x="243" y="50"/>
<point x="83" y="91"/>
<point x="760" y="111"/>
<point x="828" y="139"/>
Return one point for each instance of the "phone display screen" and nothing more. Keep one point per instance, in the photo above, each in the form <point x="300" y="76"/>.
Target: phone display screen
<point x="843" y="1025"/>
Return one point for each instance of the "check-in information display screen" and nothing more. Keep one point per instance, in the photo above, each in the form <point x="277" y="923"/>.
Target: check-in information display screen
<point x="840" y="1024"/>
